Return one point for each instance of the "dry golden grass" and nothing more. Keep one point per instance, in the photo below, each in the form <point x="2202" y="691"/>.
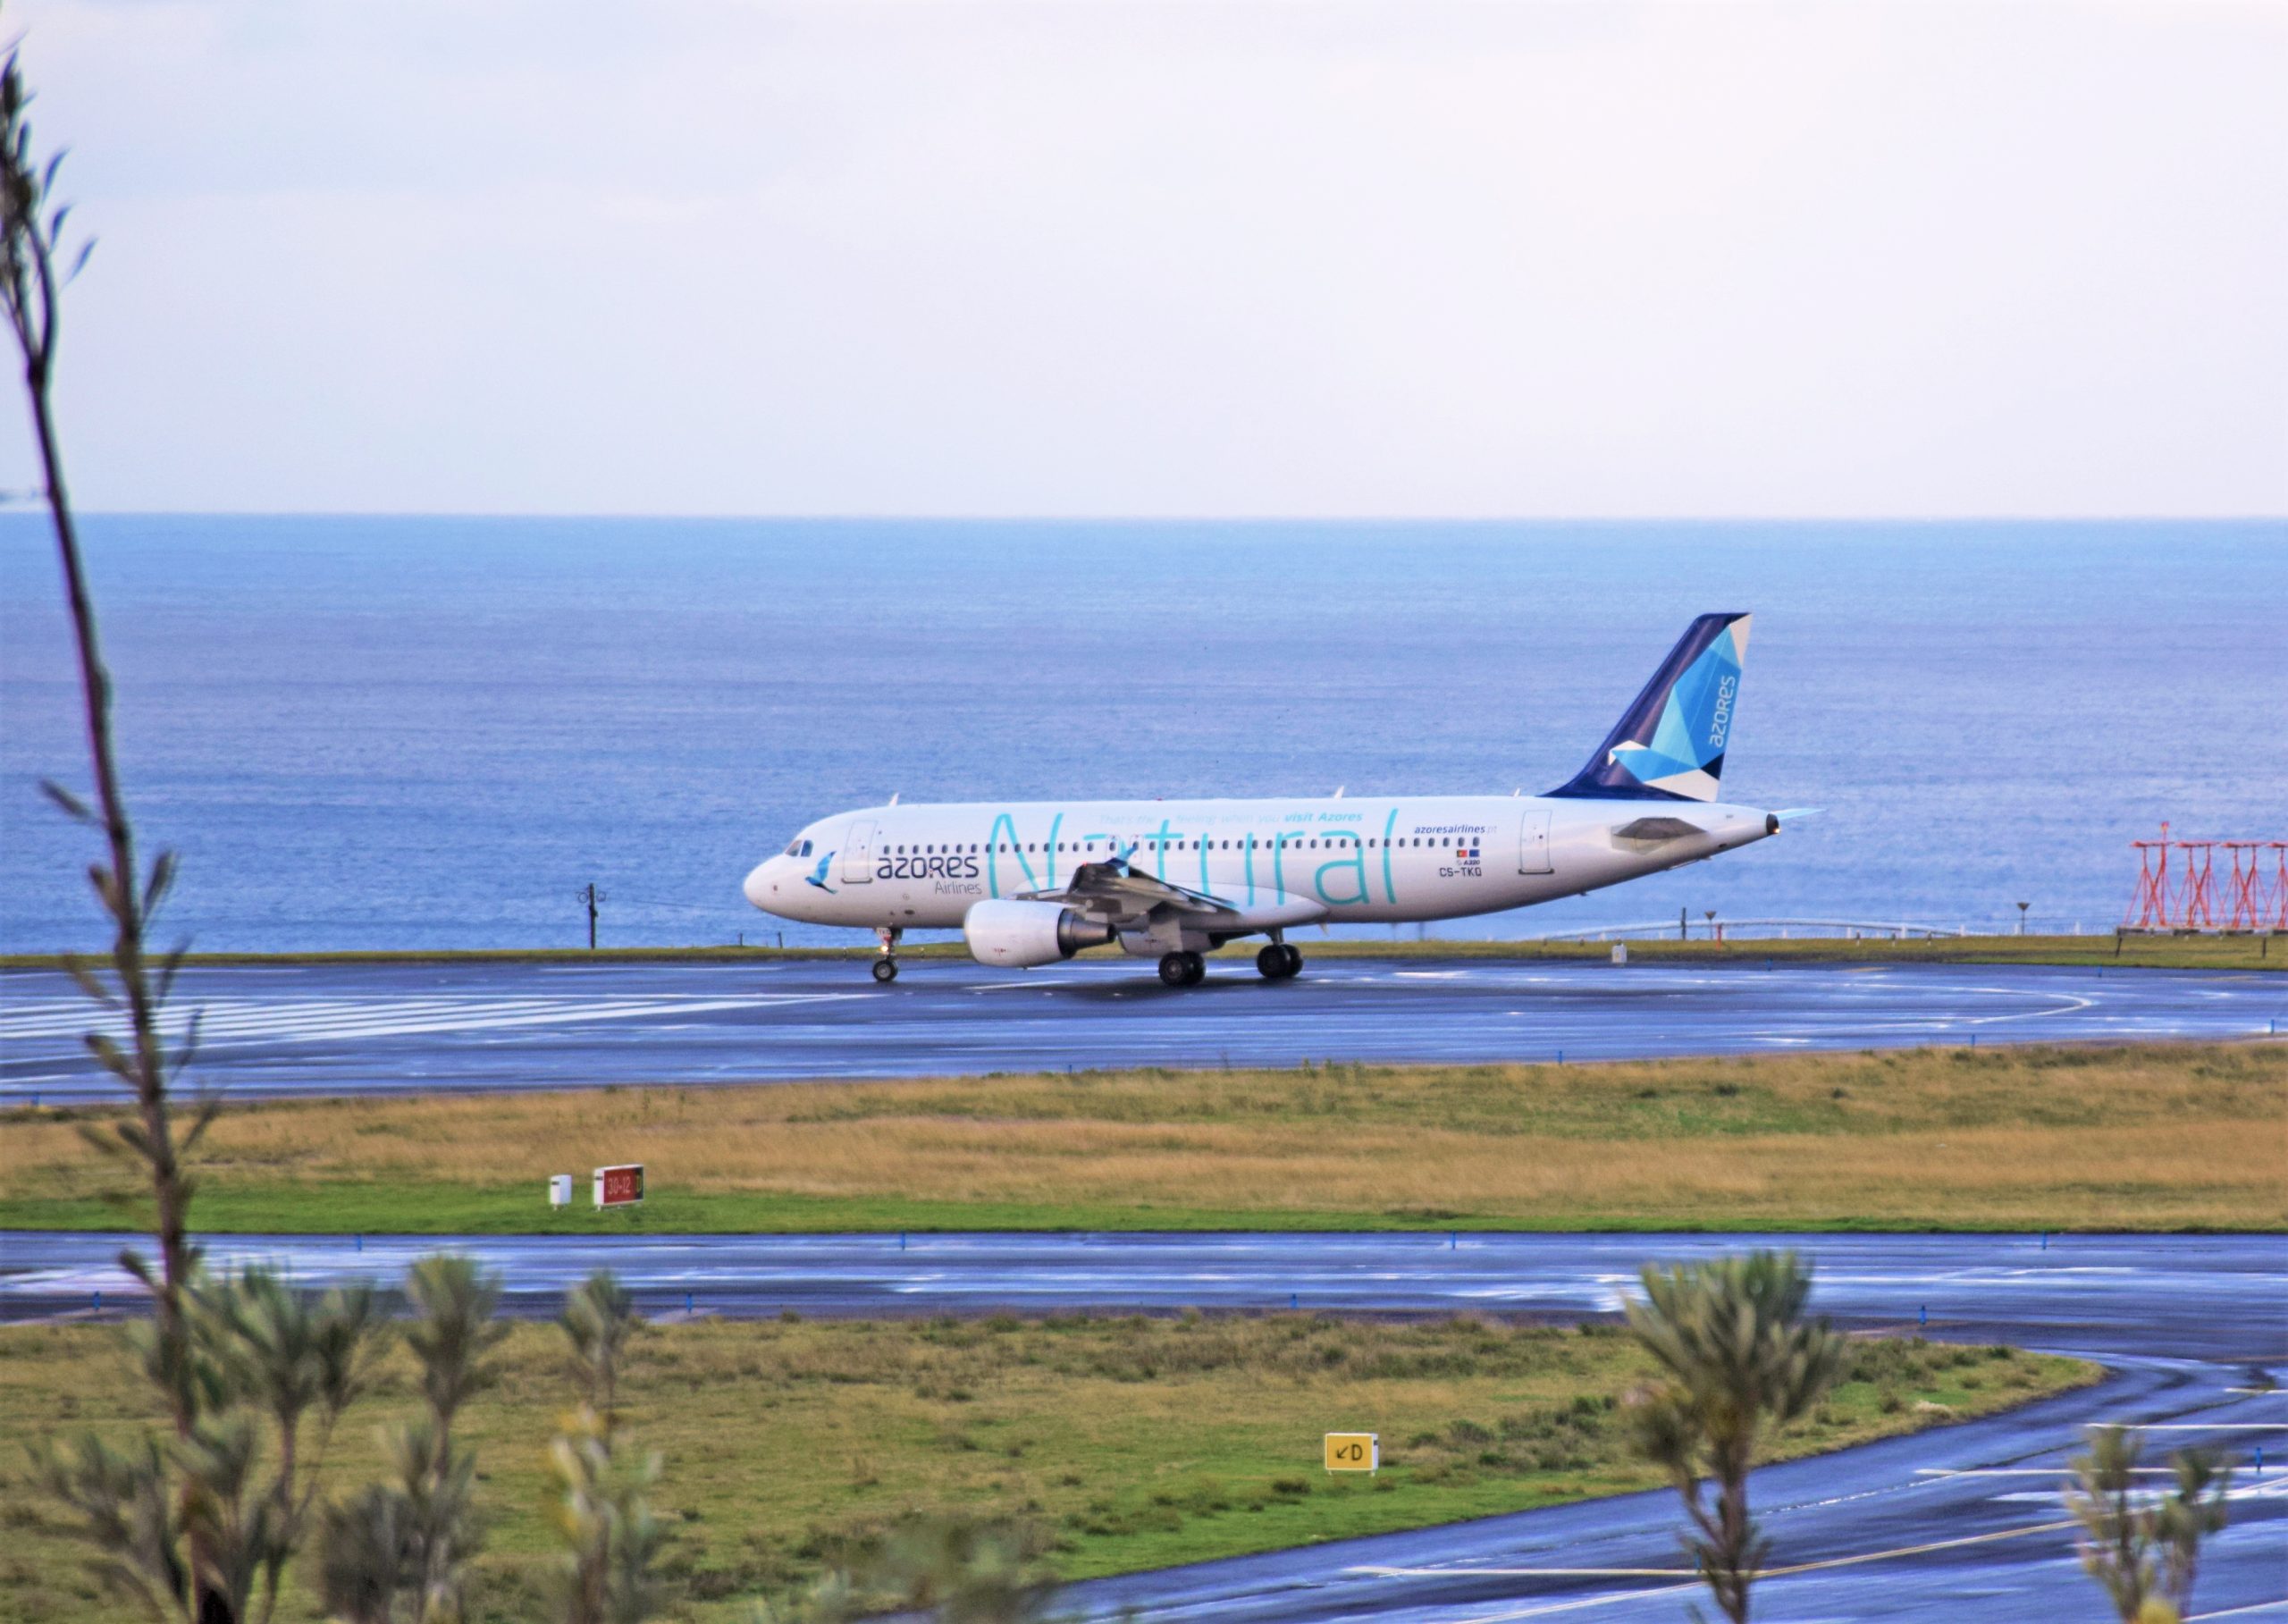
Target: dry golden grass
<point x="2142" y="1137"/>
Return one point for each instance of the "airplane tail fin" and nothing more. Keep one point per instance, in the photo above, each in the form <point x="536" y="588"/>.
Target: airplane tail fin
<point x="1669" y="744"/>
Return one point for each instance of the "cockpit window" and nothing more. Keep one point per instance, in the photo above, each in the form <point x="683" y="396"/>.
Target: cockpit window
<point x="806" y="849"/>
<point x="798" y="848"/>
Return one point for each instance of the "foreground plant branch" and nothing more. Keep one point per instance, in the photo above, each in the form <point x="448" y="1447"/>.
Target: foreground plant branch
<point x="2143" y="1546"/>
<point x="32" y="244"/>
<point x="31" y="233"/>
<point x="1739" y="1362"/>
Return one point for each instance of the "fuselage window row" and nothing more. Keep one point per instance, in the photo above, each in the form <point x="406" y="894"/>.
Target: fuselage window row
<point x="1248" y="843"/>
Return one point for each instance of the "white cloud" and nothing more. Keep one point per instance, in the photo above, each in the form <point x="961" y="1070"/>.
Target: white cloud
<point x="1431" y="258"/>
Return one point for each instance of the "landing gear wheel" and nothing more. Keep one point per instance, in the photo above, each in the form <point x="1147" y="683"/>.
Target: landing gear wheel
<point x="1195" y="970"/>
<point x="886" y="966"/>
<point x="1271" y="963"/>
<point x="1294" y="958"/>
<point x="1176" y="969"/>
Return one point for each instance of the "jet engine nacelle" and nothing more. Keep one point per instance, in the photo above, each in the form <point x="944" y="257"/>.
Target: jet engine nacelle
<point x="1016" y="935"/>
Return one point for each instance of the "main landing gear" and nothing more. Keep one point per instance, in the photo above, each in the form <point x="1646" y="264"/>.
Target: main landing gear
<point x="1278" y="961"/>
<point x="1182" y="969"/>
<point x="886" y="966"/>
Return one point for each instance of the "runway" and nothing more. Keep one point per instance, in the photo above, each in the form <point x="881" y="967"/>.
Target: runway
<point x="1960" y="1522"/>
<point x="403" y="1028"/>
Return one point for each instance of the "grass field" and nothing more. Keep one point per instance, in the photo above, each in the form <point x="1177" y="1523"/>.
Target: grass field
<point x="1133" y="1443"/>
<point x="2147" y="952"/>
<point x="2133" y="1138"/>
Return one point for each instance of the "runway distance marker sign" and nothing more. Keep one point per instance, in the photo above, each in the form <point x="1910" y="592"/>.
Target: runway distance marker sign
<point x="621" y="1186"/>
<point x="1354" y="1452"/>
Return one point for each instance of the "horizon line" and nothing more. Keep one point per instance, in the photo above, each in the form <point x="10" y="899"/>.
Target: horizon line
<point x="33" y="508"/>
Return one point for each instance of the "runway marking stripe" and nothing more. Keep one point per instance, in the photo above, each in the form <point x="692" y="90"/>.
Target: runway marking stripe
<point x="395" y="1022"/>
<point x="2027" y="1471"/>
<point x="1376" y="1571"/>
<point x="226" y="1011"/>
<point x="1823" y="1565"/>
<point x="302" y="1010"/>
<point x="346" y="1022"/>
<point x="74" y="1015"/>
<point x="2263" y="1488"/>
<point x="1577" y="1606"/>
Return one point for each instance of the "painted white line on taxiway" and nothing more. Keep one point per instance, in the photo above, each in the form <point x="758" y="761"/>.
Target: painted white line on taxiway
<point x="1822" y="1565"/>
<point x="2027" y="1471"/>
<point x="2267" y="1488"/>
<point x="228" y="1011"/>
<point x="389" y="1022"/>
<point x="232" y="1014"/>
<point x="1580" y="1605"/>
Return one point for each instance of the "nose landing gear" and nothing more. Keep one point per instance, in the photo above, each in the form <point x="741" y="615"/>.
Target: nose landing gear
<point x="886" y="966"/>
<point x="1182" y="969"/>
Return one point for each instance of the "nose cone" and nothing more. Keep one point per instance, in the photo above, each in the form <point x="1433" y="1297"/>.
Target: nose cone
<point x="758" y="884"/>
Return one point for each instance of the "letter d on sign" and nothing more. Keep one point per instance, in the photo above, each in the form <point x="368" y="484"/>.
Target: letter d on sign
<point x="1353" y="1452"/>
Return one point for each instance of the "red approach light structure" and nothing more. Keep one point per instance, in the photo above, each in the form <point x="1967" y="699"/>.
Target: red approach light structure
<point x="2256" y="892"/>
<point x="2181" y="892"/>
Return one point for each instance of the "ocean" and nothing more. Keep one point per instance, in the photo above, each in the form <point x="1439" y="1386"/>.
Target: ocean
<point x="411" y="732"/>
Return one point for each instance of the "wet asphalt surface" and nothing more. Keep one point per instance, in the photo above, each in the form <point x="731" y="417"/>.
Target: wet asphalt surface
<point x="400" y="1029"/>
<point x="1959" y="1522"/>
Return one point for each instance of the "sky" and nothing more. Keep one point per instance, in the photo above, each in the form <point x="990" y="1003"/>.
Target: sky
<point x="1085" y="257"/>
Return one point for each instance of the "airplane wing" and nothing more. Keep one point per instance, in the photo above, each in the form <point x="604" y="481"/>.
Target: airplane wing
<point x="1118" y="892"/>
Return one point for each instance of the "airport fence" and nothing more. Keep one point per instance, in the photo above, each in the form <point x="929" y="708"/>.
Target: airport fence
<point x="1711" y="927"/>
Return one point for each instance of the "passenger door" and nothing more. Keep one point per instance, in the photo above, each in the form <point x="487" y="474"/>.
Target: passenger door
<point x="858" y="853"/>
<point x="1533" y="840"/>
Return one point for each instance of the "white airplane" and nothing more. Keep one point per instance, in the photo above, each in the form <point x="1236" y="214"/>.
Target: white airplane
<point x="1034" y="882"/>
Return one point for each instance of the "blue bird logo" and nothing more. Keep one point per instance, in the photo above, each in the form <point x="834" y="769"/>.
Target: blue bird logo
<point x="817" y="876"/>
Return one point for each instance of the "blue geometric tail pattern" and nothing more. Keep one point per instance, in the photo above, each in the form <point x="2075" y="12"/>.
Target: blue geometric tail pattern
<point x="1669" y="744"/>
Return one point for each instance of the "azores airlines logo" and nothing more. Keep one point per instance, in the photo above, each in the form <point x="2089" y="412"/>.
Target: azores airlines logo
<point x="1685" y="754"/>
<point x="817" y="876"/>
<point x="1722" y="722"/>
<point x="955" y="866"/>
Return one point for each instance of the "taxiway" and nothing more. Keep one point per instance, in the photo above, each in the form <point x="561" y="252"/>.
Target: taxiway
<point x="1956" y="1522"/>
<point x="411" y="1028"/>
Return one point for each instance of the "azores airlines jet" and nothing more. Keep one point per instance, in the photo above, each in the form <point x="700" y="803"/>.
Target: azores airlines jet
<point x="1032" y="883"/>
